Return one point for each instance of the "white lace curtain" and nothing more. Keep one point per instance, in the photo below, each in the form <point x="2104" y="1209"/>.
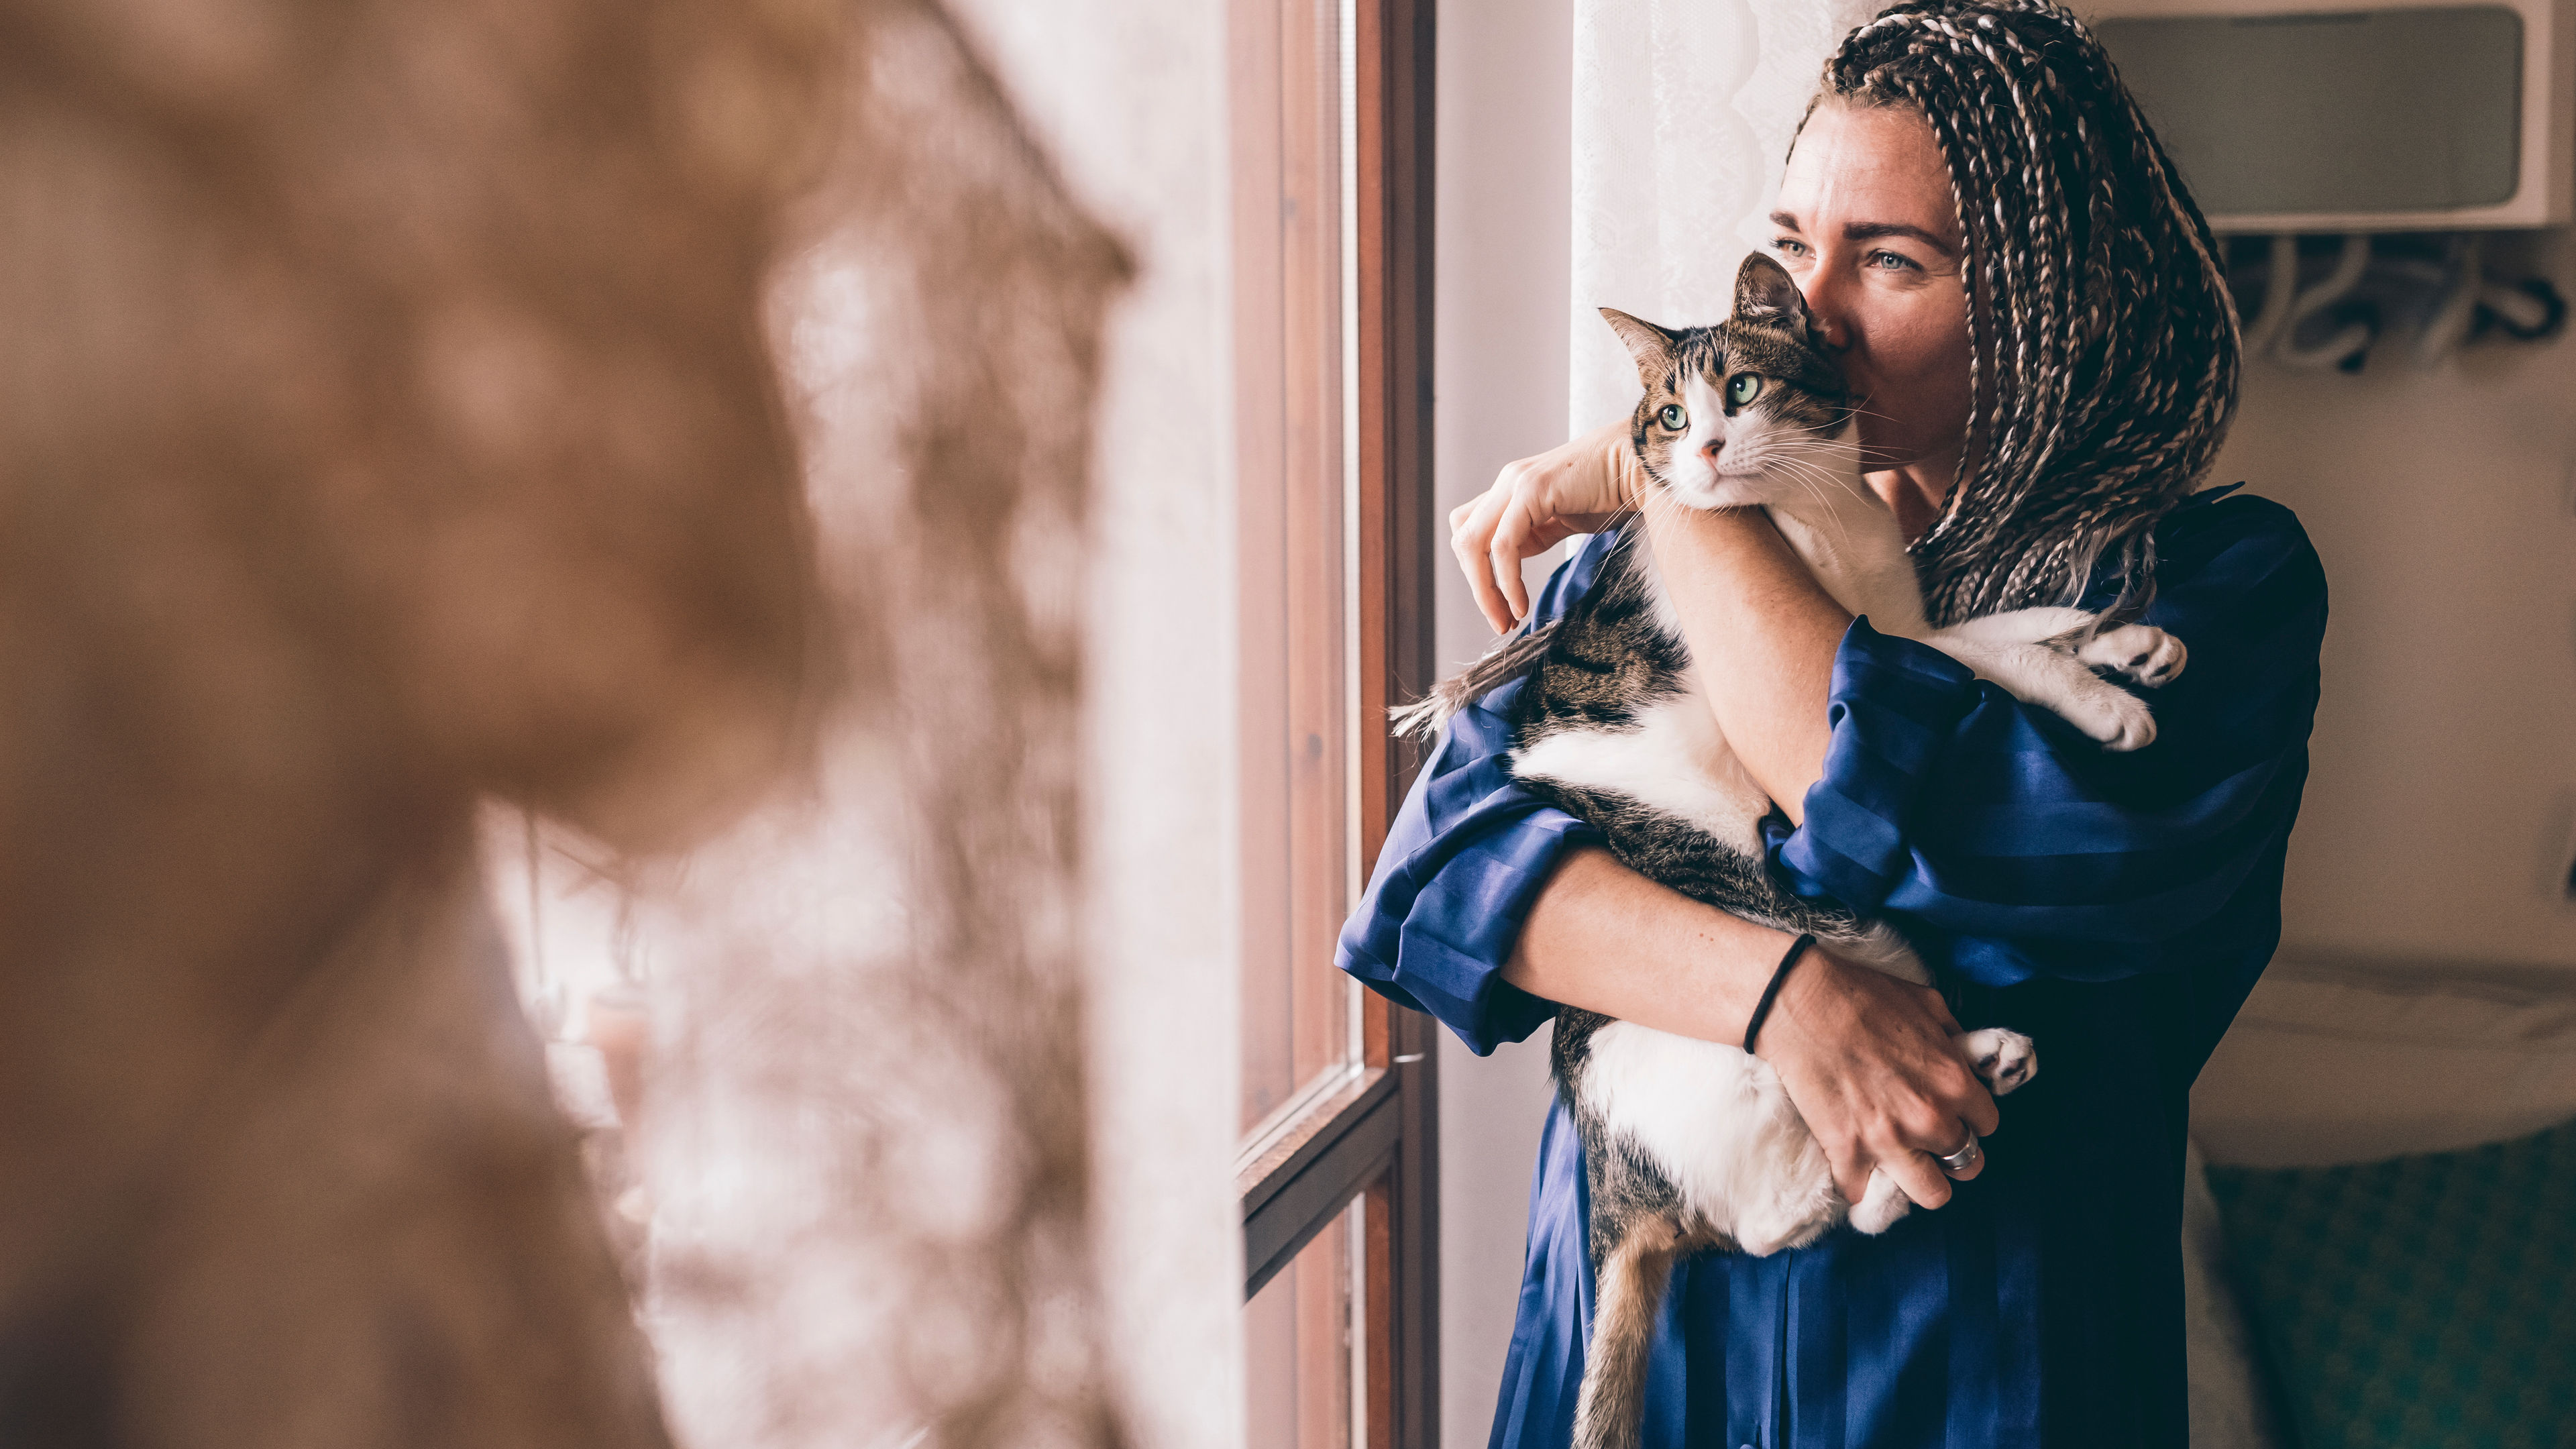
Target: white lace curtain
<point x="1683" y="113"/>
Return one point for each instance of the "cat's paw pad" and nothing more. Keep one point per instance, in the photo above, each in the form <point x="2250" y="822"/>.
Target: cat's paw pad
<point x="2141" y="652"/>
<point x="2004" y="1059"/>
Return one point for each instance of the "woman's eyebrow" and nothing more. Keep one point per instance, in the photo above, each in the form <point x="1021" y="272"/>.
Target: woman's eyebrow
<point x="1872" y="230"/>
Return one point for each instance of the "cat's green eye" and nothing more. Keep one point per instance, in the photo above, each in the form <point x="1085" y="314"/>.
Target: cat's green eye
<point x="1742" y="388"/>
<point x="1673" y="417"/>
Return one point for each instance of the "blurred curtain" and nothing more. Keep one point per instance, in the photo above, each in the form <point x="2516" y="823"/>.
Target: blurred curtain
<point x="392" y="424"/>
<point x="865" y="1121"/>
<point x="1683" y="114"/>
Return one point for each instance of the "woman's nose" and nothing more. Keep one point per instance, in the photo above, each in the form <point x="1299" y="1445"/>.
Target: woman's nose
<point x="1825" y="305"/>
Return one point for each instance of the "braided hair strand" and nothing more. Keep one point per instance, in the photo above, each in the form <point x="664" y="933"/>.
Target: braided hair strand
<point x="2104" y="346"/>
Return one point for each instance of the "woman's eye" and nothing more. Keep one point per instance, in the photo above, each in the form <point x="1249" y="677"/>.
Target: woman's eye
<point x="1742" y="388"/>
<point x="1890" y="261"/>
<point x="1789" y="246"/>
<point x="1673" y="417"/>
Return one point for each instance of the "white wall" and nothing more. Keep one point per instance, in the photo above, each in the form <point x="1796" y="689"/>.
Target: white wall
<point x="1499" y="368"/>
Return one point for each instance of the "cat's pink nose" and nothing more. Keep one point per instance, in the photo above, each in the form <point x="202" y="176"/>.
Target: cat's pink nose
<point x="1713" y="447"/>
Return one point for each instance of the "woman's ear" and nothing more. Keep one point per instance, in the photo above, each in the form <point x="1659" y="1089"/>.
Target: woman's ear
<point x="1766" y="293"/>
<point x="1649" y="344"/>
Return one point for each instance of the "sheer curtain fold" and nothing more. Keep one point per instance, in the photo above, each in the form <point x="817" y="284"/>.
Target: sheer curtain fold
<point x="1683" y="113"/>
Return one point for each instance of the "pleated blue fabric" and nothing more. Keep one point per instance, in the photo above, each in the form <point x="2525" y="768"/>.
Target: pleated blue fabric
<point x="2117" y="908"/>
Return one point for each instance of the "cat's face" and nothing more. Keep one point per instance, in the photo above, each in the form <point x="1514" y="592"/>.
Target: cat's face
<point x="1740" y="413"/>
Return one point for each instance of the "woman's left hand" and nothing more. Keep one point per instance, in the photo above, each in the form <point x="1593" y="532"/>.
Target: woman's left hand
<point x="1535" y="504"/>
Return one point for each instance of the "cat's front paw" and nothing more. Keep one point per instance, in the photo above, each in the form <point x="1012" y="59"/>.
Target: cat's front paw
<point x="1879" y="1206"/>
<point x="2003" y="1059"/>
<point x="2141" y="652"/>
<point x="2119" y="719"/>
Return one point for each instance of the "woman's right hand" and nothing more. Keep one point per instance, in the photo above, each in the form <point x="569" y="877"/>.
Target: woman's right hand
<point x="1535" y="504"/>
<point x="1872" y="1064"/>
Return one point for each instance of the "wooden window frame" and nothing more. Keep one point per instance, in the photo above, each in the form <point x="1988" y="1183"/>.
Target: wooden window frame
<point x="1374" y="1135"/>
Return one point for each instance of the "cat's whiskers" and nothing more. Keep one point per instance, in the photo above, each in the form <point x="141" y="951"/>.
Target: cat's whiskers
<point x="1817" y="484"/>
<point x="1826" y="468"/>
<point x="1820" y="482"/>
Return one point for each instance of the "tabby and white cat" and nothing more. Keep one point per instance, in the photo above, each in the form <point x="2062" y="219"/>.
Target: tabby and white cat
<point x="1689" y="1144"/>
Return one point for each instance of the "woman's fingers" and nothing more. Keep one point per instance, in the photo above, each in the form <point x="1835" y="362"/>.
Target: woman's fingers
<point x="1907" y="1143"/>
<point x="1961" y="1111"/>
<point x="1470" y="528"/>
<point x="1946" y="1140"/>
<point x="1849" y="1164"/>
<point x="1511" y="535"/>
<point x="1917" y="1176"/>
<point x="1882" y="1143"/>
<point x="1535" y="504"/>
<point x="1887" y="1148"/>
<point x="1977" y="1111"/>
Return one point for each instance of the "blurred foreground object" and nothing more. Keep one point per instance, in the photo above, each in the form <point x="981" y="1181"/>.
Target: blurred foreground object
<point x="864" y="1127"/>
<point x="390" y="420"/>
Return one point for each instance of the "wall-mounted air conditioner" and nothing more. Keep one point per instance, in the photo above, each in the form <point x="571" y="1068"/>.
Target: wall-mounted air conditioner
<point x="2409" y="115"/>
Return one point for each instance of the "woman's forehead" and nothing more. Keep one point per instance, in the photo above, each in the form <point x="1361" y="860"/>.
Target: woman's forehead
<point x="1868" y="167"/>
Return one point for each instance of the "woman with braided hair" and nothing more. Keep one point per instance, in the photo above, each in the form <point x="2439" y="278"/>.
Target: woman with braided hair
<point x="2031" y="316"/>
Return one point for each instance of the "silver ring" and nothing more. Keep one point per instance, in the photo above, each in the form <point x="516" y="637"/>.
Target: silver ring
<point x="1961" y="1160"/>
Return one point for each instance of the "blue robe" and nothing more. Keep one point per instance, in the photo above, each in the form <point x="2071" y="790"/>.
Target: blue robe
<point x="2115" y="907"/>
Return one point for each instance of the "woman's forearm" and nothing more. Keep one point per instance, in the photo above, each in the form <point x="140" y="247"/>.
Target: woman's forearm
<point x="1867" y="1059"/>
<point x="1677" y="966"/>
<point x="1762" y="634"/>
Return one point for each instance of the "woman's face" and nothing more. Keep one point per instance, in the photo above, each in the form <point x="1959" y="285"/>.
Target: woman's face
<point x="1867" y="226"/>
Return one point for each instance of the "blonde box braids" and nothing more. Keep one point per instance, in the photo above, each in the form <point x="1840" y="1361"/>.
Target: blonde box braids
<point x="2104" y="344"/>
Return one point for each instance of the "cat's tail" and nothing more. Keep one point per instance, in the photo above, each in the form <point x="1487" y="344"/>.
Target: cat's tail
<point x="1515" y="656"/>
<point x="1611" y="1413"/>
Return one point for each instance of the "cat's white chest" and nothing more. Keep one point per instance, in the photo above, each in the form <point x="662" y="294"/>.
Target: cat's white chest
<point x="1670" y="757"/>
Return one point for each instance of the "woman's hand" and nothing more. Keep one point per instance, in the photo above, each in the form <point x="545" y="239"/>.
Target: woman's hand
<point x="1534" y="505"/>
<point x="1871" y="1064"/>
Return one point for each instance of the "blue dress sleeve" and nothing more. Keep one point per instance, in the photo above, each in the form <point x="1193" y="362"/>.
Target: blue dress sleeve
<point x="1463" y="861"/>
<point x="2010" y="846"/>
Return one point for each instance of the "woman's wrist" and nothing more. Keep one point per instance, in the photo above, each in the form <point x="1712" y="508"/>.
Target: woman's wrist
<point x="1628" y="477"/>
<point x="1813" y="1007"/>
<point x="1622" y="481"/>
<point x="1679" y="965"/>
<point x="1789" y="960"/>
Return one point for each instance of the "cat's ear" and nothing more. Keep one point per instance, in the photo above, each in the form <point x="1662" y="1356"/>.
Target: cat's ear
<point x="1651" y="345"/>
<point x="1766" y="293"/>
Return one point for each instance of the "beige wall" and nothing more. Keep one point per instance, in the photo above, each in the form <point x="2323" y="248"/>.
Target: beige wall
<point x="2441" y="814"/>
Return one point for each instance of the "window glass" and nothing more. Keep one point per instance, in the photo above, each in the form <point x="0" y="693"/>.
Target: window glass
<point x="1296" y="314"/>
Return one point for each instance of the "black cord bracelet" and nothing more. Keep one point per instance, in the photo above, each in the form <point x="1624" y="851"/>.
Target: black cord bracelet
<point x="1771" y="993"/>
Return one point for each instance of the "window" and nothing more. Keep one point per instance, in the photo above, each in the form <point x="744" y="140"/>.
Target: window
<point x="1297" y="438"/>
<point x="1331" y="107"/>
<point x="1306" y="1345"/>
